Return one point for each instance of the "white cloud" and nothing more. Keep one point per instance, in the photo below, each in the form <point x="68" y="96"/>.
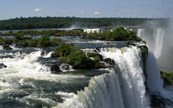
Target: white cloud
<point x="37" y="10"/>
<point x="97" y="13"/>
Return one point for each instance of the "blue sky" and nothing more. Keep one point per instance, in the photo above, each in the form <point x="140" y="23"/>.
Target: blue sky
<point x="86" y="8"/>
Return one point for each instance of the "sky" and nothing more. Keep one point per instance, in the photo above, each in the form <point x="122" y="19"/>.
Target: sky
<point x="86" y="8"/>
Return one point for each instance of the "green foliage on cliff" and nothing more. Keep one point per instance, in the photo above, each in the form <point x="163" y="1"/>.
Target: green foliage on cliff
<point x="144" y="50"/>
<point x="167" y="77"/>
<point x="64" y="50"/>
<point x="77" y="57"/>
<point x="79" y="60"/>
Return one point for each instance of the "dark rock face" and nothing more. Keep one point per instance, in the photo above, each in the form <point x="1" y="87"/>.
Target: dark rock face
<point x="6" y="47"/>
<point x="2" y="66"/>
<point x="98" y="49"/>
<point x="54" y="68"/>
<point x="109" y="61"/>
<point x="52" y="63"/>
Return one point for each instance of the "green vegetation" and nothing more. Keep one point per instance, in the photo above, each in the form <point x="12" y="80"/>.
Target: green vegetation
<point x="64" y="50"/>
<point x="64" y="22"/>
<point x="44" y="41"/>
<point x="22" y="41"/>
<point x="79" y="60"/>
<point x="76" y="57"/>
<point x="6" y="41"/>
<point x="167" y="77"/>
<point x="74" y="32"/>
<point x="144" y="50"/>
<point x="118" y="34"/>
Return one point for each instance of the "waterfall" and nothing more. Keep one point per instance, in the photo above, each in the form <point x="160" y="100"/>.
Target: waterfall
<point x="141" y="33"/>
<point x="103" y="92"/>
<point x="122" y="87"/>
<point x="159" y="42"/>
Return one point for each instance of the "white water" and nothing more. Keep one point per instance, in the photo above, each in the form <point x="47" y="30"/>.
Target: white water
<point x="141" y="33"/>
<point x="154" y="40"/>
<point x="103" y="92"/>
<point x="159" y="43"/>
<point x="23" y="70"/>
<point x="123" y="87"/>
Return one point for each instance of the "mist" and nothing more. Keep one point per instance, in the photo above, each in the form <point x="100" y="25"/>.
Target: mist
<point x="166" y="59"/>
<point x="159" y="38"/>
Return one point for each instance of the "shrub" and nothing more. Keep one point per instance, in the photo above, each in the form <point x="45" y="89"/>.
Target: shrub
<point x="44" y="42"/>
<point x="120" y="34"/>
<point x="32" y="43"/>
<point x="79" y="60"/>
<point x="168" y="77"/>
<point x="54" y="42"/>
<point x="8" y="41"/>
<point x="1" y="41"/>
<point x="144" y="50"/>
<point x="64" y="50"/>
<point x="22" y="43"/>
<point x="18" y="37"/>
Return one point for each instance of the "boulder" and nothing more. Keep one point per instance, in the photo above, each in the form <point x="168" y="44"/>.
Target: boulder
<point x="53" y="64"/>
<point x="6" y="47"/>
<point x="54" y="68"/>
<point x="64" y="66"/>
<point x="98" y="49"/>
<point x="109" y="61"/>
<point x="2" y="66"/>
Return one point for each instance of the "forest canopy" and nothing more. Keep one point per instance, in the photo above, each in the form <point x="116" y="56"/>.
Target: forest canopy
<point x="64" y="22"/>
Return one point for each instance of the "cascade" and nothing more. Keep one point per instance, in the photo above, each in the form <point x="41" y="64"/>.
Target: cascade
<point x="141" y="33"/>
<point x="159" y="42"/>
<point x="122" y="87"/>
<point x="154" y="39"/>
<point x="26" y="83"/>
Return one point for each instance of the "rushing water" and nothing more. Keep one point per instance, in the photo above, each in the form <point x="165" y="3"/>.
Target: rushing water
<point x="28" y="83"/>
<point x="124" y="86"/>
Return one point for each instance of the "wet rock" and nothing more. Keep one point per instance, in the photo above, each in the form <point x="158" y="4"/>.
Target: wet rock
<point x="98" y="49"/>
<point x="51" y="62"/>
<point x="65" y="67"/>
<point x="109" y="61"/>
<point x="2" y="66"/>
<point x="54" y="68"/>
<point x="6" y="47"/>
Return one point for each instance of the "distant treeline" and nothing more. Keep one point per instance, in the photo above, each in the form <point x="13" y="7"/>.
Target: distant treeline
<point x="64" y="22"/>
